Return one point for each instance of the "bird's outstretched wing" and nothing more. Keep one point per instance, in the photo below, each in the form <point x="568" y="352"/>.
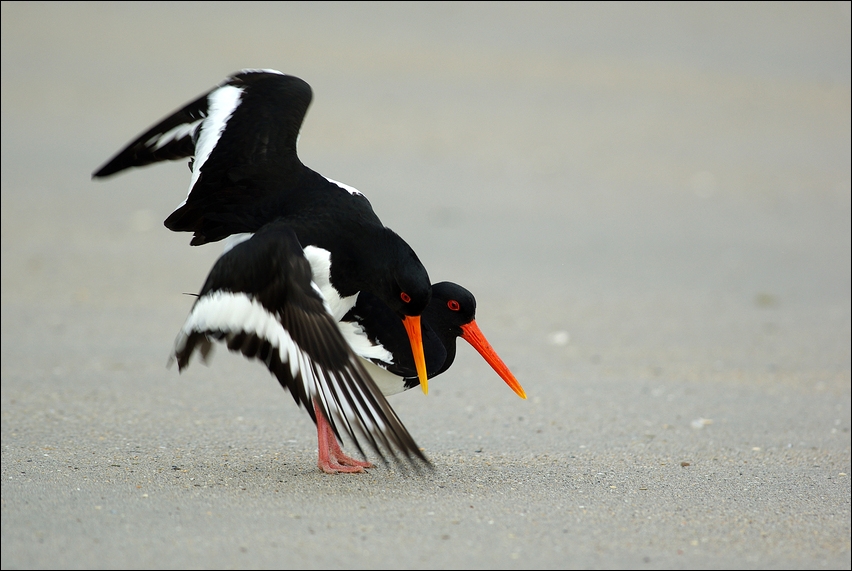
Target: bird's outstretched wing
<point x="241" y="136"/>
<point x="259" y="300"/>
<point x="171" y="139"/>
<point x="263" y="110"/>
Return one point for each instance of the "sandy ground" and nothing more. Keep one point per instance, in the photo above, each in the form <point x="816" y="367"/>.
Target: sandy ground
<point x="650" y="202"/>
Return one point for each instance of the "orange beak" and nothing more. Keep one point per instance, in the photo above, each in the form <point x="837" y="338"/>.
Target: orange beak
<point x="412" y="327"/>
<point x="474" y="336"/>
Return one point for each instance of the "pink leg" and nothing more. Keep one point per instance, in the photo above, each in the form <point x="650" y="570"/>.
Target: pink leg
<point x="331" y="458"/>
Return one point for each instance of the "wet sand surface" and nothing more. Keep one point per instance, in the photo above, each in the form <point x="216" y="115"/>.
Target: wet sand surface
<point x="651" y="204"/>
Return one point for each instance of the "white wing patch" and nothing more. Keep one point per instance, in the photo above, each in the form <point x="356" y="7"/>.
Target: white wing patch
<point x="361" y="344"/>
<point x="173" y="134"/>
<point x="320" y="260"/>
<point x="350" y="189"/>
<point x="221" y="103"/>
<point x="234" y="312"/>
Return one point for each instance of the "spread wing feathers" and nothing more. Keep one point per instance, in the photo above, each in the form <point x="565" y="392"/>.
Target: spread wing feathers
<point x="171" y="139"/>
<point x="265" y="109"/>
<point x="242" y="138"/>
<point x="260" y="301"/>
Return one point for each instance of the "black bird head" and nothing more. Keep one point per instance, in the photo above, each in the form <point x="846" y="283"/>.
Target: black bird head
<point x="451" y="314"/>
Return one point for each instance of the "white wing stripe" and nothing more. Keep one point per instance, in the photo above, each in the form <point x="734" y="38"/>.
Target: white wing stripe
<point x="320" y="260"/>
<point x="236" y="312"/>
<point x="232" y="312"/>
<point x="222" y="102"/>
<point x="349" y="405"/>
<point x="173" y="134"/>
<point x="356" y="338"/>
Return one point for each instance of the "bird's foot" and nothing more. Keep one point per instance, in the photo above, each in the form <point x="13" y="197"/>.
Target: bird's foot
<point x="332" y="459"/>
<point x="348" y="466"/>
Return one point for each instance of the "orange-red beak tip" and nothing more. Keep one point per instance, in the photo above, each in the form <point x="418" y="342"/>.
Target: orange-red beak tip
<point x="473" y="335"/>
<point x="514" y="384"/>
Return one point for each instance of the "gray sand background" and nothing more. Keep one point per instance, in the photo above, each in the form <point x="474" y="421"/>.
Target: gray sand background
<point x="650" y="202"/>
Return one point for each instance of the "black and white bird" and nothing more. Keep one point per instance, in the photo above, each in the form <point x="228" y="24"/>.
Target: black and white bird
<point x="260" y="300"/>
<point x="451" y="314"/>
<point x="248" y="186"/>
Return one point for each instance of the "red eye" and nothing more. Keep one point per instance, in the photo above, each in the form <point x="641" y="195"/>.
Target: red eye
<point x="405" y="297"/>
<point x="453" y="305"/>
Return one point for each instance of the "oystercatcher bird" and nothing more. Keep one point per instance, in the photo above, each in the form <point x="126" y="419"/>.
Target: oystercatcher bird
<point x="451" y="314"/>
<point x="241" y="140"/>
<point x="260" y="300"/>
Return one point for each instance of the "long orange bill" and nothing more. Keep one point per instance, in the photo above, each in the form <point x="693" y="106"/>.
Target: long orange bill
<point x="412" y="326"/>
<point x="474" y="336"/>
